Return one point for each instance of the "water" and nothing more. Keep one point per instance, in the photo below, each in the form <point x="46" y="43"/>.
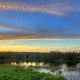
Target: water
<point x="69" y="75"/>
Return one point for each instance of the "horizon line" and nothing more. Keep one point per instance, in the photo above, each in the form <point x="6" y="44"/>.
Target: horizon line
<point x="36" y="39"/>
<point x="44" y="51"/>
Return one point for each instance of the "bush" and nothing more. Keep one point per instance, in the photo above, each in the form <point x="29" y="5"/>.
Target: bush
<point x="60" y="72"/>
<point x="47" y="79"/>
<point x="53" y="70"/>
<point x="61" y="78"/>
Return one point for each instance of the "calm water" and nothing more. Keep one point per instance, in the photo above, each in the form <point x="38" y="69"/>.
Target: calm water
<point x="69" y="75"/>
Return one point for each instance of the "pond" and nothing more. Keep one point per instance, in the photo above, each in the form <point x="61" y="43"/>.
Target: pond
<point x="69" y="75"/>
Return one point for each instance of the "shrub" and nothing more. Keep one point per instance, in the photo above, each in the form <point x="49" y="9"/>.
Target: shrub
<point x="60" y="72"/>
<point x="53" y="70"/>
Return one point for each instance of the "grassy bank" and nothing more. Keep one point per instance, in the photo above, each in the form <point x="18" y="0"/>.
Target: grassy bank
<point x="11" y="72"/>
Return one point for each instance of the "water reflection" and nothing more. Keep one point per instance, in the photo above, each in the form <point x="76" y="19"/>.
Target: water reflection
<point x="66" y="72"/>
<point x="69" y="75"/>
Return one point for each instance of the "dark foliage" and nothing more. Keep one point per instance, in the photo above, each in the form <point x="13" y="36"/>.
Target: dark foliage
<point x="47" y="79"/>
<point x="53" y="57"/>
<point x="27" y="56"/>
<point x="70" y="59"/>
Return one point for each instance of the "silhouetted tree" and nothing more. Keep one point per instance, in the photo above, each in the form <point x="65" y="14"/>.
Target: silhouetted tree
<point x="19" y="57"/>
<point x="37" y="57"/>
<point x="32" y="58"/>
<point x="70" y="59"/>
<point x="27" y="56"/>
<point x="2" y="59"/>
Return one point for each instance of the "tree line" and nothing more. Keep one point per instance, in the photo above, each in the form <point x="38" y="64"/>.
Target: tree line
<point x="54" y="58"/>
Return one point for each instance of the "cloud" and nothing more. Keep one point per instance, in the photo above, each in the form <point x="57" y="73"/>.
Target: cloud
<point x="58" y="8"/>
<point x="9" y="29"/>
<point x="55" y="33"/>
<point x="55" y="9"/>
<point x="51" y="34"/>
<point x="67" y="16"/>
<point x="59" y="33"/>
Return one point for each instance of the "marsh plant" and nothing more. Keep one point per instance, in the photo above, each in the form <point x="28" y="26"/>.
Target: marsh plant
<point x="47" y="67"/>
<point x="53" y="70"/>
<point x="71" y="69"/>
<point x="60" y="72"/>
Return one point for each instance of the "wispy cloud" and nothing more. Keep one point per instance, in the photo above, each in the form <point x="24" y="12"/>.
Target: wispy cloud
<point x="59" y="33"/>
<point x="55" y="9"/>
<point x="13" y="30"/>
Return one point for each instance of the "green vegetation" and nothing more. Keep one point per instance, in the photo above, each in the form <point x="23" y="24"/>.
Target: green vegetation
<point x="54" y="58"/>
<point x="47" y="67"/>
<point x="56" y="68"/>
<point x="20" y="73"/>
<point x="71" y="69"/>
<point x="60" y="72"/>
<point x="10" y="72"/>
<point x="53" y="70"/>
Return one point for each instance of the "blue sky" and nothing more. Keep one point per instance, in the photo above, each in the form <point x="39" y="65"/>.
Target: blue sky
<point x="43" y="19"/>
<point x="39" y="19"/>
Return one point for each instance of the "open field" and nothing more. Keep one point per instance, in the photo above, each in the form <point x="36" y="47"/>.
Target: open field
<point x="12" y="72"/>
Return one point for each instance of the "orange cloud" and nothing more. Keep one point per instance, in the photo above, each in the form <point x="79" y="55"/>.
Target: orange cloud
<point x="55" y="9"/>
<point x="31" y="8"/>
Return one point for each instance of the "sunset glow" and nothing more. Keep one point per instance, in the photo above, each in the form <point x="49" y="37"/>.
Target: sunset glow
<point x="39" y="26"/>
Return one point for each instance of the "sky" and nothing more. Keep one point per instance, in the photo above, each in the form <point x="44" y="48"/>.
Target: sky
<point x="38" y="20"/>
